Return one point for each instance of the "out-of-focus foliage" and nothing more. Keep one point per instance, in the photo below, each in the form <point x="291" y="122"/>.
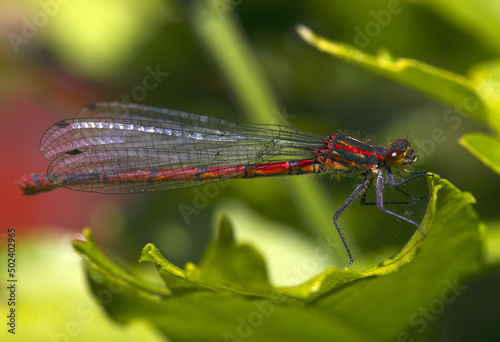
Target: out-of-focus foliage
<point x="243" y="60"/>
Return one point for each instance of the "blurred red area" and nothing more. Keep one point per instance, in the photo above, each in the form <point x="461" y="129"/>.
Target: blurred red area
<point x="27" y="110"/>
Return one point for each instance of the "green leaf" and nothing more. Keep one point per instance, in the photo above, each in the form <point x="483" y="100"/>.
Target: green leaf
<point x="450" y="250"/>
<point x="229" y="298"/>
<point x="244" y="266"/>
<point x="97" y="262"/>
<point x="455" y="90"/>
<point x="478" y="95"/>
<point x="486" y="76"/>
<point x="485" y="147"/>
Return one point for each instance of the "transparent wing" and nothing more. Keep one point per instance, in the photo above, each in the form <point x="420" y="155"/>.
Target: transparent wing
<point x="130" y="140"/>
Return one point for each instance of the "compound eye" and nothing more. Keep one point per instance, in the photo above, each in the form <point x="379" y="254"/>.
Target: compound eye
<point x="397" y="152"/>
<point x="395" y="157"/>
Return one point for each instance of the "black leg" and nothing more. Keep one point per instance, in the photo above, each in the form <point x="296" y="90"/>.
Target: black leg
<point x="380" y="199"/>
<point x="413" y="199"/>
<point x="415" y="174"/>
<point x="360" y="189"/>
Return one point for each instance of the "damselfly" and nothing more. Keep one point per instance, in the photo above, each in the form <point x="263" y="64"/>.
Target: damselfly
<point x="118" y="148"/>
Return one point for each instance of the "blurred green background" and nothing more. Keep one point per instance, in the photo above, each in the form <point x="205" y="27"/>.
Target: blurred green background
<point x="241" y="60"/>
